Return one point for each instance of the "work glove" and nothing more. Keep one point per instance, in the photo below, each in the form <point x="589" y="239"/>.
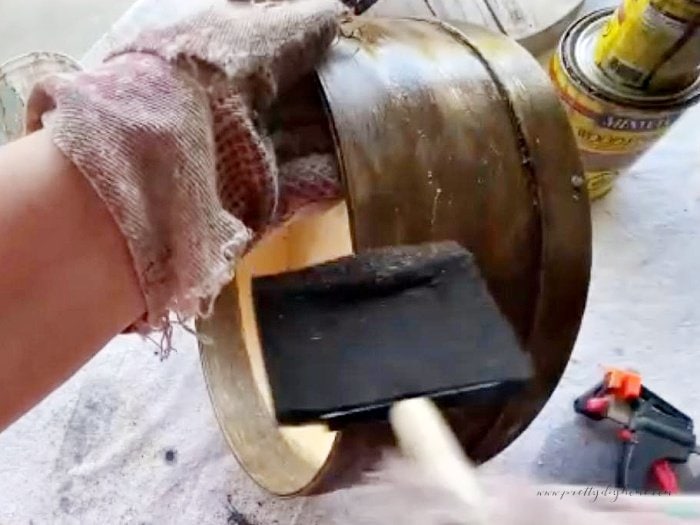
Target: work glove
<point x="402" y="492"/>
<point x="200" y="137"/>
<point x="434" y="483"/>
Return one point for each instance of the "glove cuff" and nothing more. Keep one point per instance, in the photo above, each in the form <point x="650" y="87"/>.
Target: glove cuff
<point x="141" y="133"/>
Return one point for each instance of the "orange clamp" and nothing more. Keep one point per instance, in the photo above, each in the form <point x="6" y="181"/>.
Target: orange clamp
<point x="623" y="384"/>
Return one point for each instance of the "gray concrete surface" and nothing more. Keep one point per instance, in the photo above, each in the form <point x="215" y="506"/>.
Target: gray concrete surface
<point x="68" y="26"/>
<point x="132" y="440"/>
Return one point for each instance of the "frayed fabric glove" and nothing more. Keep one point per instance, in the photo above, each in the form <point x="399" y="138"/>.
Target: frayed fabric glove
<point x="171" y="131"/>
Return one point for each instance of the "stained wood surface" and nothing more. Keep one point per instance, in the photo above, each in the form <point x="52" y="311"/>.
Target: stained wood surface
<point x="535" y="24"/>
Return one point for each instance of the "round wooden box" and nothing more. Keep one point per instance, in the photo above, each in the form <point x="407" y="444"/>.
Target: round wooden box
<point x="442" y="132"/>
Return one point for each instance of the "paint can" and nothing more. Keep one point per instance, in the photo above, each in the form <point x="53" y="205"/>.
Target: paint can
<point x="614" y="125"/>
<point x="652" y="45"/>
<point x="17" y="77"/>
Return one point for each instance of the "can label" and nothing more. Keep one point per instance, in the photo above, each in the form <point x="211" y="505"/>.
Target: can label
<point x="603" y="127"/>
<point x="651" y="44"/>
<point x="599" y="183"/>
<point x="610" y="136"/>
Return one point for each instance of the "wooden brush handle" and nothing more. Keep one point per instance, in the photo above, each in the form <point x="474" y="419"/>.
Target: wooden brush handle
<point x="424" y="436"/>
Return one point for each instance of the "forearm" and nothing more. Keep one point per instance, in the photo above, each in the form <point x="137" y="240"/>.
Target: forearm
<point x="178" y="151"/>
<point x="67" y="284"/>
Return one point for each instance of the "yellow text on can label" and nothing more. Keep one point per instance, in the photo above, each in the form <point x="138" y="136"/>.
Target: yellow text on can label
<point x="651" y="44"/>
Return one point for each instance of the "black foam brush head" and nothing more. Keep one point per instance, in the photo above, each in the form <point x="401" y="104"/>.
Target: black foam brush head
<point x="344" y="340"/>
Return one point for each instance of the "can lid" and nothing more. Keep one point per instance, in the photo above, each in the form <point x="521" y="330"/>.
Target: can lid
<point x="577" y="50"/>
<point x="17" y="78"/>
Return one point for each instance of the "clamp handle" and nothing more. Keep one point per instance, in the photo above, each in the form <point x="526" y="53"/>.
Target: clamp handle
<point x="649" y="457"/>
<point x="655" y="435"/>
<point x="659" y="435"/>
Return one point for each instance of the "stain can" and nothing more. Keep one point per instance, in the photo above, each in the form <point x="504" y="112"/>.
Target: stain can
<point x="613" y="124"/>
<point x="651" y="44"/>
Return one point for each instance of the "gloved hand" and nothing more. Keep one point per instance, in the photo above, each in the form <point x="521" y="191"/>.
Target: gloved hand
<point x="401" y="492"/>
<point x="171" y="130"/>
<point x="440" y="486"/>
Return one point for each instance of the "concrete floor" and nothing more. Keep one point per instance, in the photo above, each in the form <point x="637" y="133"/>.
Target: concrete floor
<point x="68" y="26"/>
<point x="96" y="450"/>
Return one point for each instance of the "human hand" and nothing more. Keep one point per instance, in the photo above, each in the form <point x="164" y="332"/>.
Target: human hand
<point x="435" y="484"/>
<point x="401" y="492"/>
<point x="172" y="131"/>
